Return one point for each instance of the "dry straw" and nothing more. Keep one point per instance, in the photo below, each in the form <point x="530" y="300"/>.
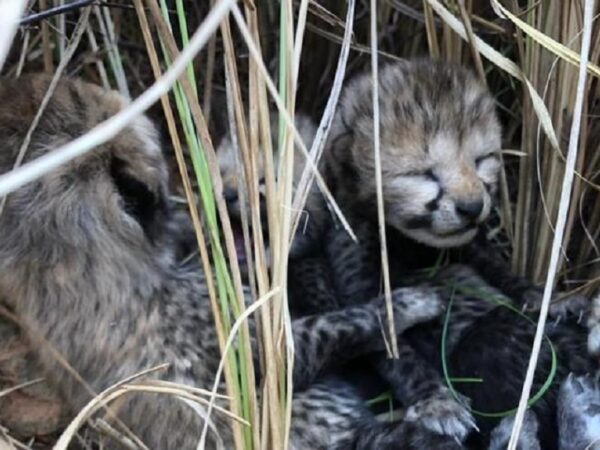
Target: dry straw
<point x="565" y="199"/>
<point x="520" y="54"/>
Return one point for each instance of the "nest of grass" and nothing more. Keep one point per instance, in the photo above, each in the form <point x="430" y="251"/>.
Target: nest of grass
<point x="527" y="52"/>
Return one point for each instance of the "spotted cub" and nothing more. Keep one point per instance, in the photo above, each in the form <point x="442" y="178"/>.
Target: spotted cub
<point x="87" y="265"/>
<point x="439" y="142"/>
<point x="440" y="139"/>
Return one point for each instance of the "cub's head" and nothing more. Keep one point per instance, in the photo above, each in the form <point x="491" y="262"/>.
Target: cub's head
<point x="231" y="169"/>
<point x="440" y="142"/>
<point x="104" y="211"/>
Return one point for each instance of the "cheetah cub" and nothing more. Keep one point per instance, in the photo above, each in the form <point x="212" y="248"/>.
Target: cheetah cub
<point x="440" y="139"/>
<point x="87" y="264"/>
<point x="314" y="217"/>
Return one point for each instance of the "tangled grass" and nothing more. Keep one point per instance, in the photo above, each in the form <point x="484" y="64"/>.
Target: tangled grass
<point x="528" y="53"/>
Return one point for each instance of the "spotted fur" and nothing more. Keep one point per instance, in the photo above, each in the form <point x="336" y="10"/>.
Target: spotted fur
<point x="87" y="264"/>
<point x="579" y="413"/>
<point x="314" y="215"/>
<point x="484" y="340"/>
<point x="439" y="148"/>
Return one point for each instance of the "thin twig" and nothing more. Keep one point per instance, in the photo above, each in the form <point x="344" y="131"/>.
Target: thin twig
<point x="241" y="320"/>
<point x="50" y="12"/>
<point x="320" y="138"/>
<point x="99" y="402"/>
<point x="19" y="386"/>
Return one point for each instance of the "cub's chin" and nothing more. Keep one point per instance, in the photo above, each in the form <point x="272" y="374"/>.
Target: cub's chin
<point x="441" y="240"/>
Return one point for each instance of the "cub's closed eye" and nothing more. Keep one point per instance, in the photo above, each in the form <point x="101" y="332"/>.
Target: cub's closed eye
<point x="480" y="159"/>
<point x="427" y="174"/>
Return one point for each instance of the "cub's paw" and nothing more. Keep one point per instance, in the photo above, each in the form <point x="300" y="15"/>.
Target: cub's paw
<point x="593" y="323"/>
<point x="573" y="306"/>
<point x="528" y="439"/>
<point x="579" y="413"/>
<point x="443" y="414"/>
<point x="415" y="305"/>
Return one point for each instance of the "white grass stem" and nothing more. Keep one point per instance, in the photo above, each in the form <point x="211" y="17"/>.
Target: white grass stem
<point x="255" y="53"/>
<point x="98" y="402"/>
<point x="565" y="198"/>
<point x="111" y="127"/>
<point x="10" y="14"/>
<point x="326" y="120"/>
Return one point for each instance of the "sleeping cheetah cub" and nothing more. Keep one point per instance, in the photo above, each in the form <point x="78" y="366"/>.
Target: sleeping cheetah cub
<point x="439" y="143"/>
<point x="440" y="139"/>
<point x="228" y="155"/>
<point x="86" y="262"/>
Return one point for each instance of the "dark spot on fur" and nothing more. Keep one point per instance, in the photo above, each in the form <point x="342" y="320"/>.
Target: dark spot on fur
<point x="434" y="204"/>
<point x="418" y="96"/>
<point x="349" y="175"/>
<point x="418" y="222"/>
<point x="593" y="409"/>
<point x="430" y="175"/>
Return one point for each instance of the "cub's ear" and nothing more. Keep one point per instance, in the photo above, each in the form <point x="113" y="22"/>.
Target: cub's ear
<point x="147" y="206"/>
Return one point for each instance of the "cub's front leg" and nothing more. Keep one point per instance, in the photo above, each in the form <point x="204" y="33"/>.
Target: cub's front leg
<point x="322" y="340"/>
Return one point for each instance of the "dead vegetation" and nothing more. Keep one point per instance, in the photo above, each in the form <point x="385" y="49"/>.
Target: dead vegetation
<point x="527" y="52"/>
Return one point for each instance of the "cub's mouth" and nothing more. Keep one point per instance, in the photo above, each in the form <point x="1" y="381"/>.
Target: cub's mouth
<point x="240" y="244"/>
<point x="458" y="232"/>
<point x="441" y="238"/>
<point x="238" y="238"/>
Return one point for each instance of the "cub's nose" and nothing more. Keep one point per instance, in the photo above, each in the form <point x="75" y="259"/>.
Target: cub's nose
<point x="470" y="210"/>
<point x="230" y="195"/>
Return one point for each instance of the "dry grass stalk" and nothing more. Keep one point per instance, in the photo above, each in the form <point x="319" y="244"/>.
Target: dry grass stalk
<point x="565" y="200"/>
<point x="541" y="52"/>
<point x="183" y="171"/>
<point x="208" y="149"/>
<point x="393" y="340"/>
